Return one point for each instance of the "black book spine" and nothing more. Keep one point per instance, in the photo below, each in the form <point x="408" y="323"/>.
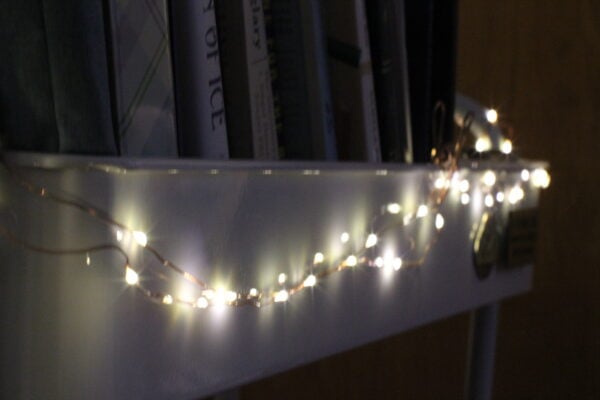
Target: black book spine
<point x="388" y="50"/>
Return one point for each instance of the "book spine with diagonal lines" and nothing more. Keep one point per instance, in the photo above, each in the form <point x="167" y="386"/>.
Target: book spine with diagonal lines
<point x="142" y="79"/>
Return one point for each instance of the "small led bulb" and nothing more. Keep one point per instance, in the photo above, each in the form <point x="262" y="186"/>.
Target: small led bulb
<point x="489" y="178"/>
<point x="506" y="146"/>
<point x="351" y="261"/>
<point x="540" y="178"/>
<point x="440" y="183"/>
<point x="394" y="208"/>
<point x="464" y="186"/>
<point x="167" y="299"/>
<point x="202" y="302"/>
<point x="515" y="195"/>
<point x="465" y="198"/>
<point x="131" y="277"/>
<point x="422" y="211"/>
<point x="371" y="240"/>
<point x="319" y="258"/>
<point x="253" y="292"/>
<point x="525" y="175"/>
<point x="88" y="261"/>
<point x="491" y="115"/>
<point x="281" y="296"/>
<point x="379" y="262"/>
<point x="281" y="278"/>
<point x="310" y="281"/>
<point x="500" y="197"/>
<point x="119" y="235"/>
<point x="397" y="263"/>
<point x="140" y="238"/>
<point x="345" y="237"/>
<point x="439" y="221"/>
<point x="230" y="296"/>
<point x="483" y="144"/>
<point x="488" y="200"/>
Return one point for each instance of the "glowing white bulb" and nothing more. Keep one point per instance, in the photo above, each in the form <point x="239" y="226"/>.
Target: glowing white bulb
<point x="281" y="296"/>
<point x="489" y="178"/>
<point x="230" y="296"/>
<point x="422" y="211"/>
<point x="202" y="302"/>
<point x="515" y="195"/>
<point x="281" y="278"/>
<point x="506" y="146"/>
<point x="488" y="200"/>
<point x="218" y="297"/>
<point x="540" y="178"/>
<point x="131" y="277"/>
<point x="119" y="235"/>
<point x="319" y="258"/>
<point x="310" y="281"/>
<point x="440" y="183"/>
<point x="140" y="238"/>
<point x="491" y="115"/>
<point x="351" y="261"/>
<point x="525" y="175"/>
<point x="483" y="144"/>
<point x="406" y="219"/>
<point x="253" y="292"/>
<point x="186" y="298"/>
<point x="371" y="240"/>
<point x="464" y="186"/>
<point x="394" y="208"/>
<point x="500" y="197"/>
<point x="465" y="198"/>
<point x="439" y="221"/>
<point x="167" y="299"/>
<point x="345" y="237"/>
<point x="87" y="260"/>
<point x="397" y="263"/>
<point x="379" y="262"/>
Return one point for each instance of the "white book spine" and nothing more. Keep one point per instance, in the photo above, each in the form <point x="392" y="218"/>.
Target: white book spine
<point x="264" y="135"/>
<point x="200" y="101"/>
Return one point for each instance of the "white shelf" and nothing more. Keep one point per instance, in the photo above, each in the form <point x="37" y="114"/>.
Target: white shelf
<point x="74" y="331"/>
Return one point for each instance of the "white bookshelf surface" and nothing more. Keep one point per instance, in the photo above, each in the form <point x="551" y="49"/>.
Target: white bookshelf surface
<point x="78" y="331"/>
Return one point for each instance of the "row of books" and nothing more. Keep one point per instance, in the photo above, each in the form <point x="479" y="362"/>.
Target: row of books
<point x="245" y="79"/>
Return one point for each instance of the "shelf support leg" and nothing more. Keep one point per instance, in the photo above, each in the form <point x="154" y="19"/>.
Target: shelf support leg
<point x="481" y="352"/>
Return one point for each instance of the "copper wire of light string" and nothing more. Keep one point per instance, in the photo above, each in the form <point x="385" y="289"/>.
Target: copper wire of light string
<point x="447" y="161"/>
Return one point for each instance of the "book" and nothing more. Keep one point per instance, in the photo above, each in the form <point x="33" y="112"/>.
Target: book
<point x="302" y="85"/>
<point x="54" y="85"/>
<point x="250" y="117"/>
<point x="431" y="44"/>
<point x="388" y="51"/>
<point x="199" y="97"/>
<point x="353" y="91"/>
<point x="141" y="76"/>
<point x="419" y="33"/>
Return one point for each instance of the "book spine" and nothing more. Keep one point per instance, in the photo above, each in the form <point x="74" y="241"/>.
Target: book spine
<point x="387" y="36"/>
<point x="368" y="102"/>
<point x="319" y="88"/>
<point x="142" y="78"/>
<point x="201" y="119"/>
<point x="357" y="128"/>
<point x="264" y="134"/>
<point x="251" y="126"/>
<point x="303" y="80"/>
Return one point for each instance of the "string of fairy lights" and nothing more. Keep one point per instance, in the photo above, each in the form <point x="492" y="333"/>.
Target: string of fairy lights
<point x="495" y="191"/>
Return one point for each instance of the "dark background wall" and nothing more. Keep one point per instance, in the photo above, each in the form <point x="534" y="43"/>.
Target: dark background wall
<point x="538" y="62"/>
